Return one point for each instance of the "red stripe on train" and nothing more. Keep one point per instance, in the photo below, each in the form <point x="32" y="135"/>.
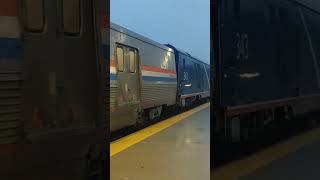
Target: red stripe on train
<point x="156" y="69"/>
<point x="8" y="8"/>
<point x="112" y="63"/>
<point x="148" y="68"/>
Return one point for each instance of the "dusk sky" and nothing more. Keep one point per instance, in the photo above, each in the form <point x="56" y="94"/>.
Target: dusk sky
<point x="182" y="23"/>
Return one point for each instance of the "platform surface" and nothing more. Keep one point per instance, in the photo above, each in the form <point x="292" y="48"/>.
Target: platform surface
<point x="302" y="164"/>
<point x="178" y="152"/>
<point x="295" y="159"/>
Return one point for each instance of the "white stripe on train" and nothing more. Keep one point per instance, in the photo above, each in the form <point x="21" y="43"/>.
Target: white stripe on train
<point x="113" y="70"/>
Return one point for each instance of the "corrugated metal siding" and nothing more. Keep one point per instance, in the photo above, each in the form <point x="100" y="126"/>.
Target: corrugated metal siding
<point x="11" y="99"/>
<point x="113" y="94"/>
<point x="153" y="94"/>
<point x="106" y="103"/>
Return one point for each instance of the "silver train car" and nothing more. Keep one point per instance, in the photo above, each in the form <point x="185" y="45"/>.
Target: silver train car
<point x="51" y="89"/>
<point x="143" y="78"/>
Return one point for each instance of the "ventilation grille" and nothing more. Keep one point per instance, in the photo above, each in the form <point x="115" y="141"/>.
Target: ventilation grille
<point x="11" y="98"/>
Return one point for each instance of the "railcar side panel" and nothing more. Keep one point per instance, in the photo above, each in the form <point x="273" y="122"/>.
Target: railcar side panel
<point x="267" y="62"/>
<point x="269" y="51"/>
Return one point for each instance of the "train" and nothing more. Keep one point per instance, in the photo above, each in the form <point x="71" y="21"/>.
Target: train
<point x="265" y="57"/>
<point x="148" y="78"/>
<point x="52" y="118"/>
<point x="58" y="100"/>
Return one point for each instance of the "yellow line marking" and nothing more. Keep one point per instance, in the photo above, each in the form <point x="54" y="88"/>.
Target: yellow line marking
<point x="125" y="142"/>
<point x="248" y="165"/>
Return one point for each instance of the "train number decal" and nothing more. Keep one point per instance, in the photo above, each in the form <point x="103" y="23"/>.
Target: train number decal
<point x="242" y="46"/>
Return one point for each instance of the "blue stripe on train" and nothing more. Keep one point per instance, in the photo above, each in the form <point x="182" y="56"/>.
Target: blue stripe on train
<point x="152" y="78"/>
<point x="10" y="48"/>
<point x="113" y="77"/>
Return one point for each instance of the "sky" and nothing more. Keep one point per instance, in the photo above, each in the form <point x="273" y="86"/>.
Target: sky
<point x="182" y="23"/>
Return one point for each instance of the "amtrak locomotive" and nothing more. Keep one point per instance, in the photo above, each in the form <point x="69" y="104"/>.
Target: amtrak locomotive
<point x="54" y="89"/>
<point x="266" y="60"/>
<point x="147" y="78"/>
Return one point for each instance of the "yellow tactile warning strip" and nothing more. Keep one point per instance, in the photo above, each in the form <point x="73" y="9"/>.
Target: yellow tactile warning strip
<point x="125" y="142"/>
<point x="248" y="165"/>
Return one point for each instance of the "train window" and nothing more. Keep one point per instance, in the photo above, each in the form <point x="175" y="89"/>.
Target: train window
<point x="184" y="63"/>
<point x="196" y="75"/>
<point x="120" y="59"/>
<point x="132" y="61"/>
<point x="71" y="16"/>
<point x="199" y="74"/>
<point x="34" y="15"/>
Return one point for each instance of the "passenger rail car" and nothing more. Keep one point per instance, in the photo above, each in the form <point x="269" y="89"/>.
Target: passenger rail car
<point x="266" y="57"/>
<point x="51" y="86"/>
<point x="143" y="77"/>
<point x="147" y="78"/>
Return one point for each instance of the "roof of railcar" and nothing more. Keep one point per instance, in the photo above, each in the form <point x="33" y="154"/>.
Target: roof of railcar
<point x="130" y="33"/>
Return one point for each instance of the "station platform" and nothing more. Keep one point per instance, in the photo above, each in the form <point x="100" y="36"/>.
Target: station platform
<point x="298" y="158"/>
<point x="173" y="149"/>
<point x="303" y="164"/>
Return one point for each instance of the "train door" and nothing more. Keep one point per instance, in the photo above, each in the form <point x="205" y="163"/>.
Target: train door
<point x="62" y="42"/>
<point x="129" y="85"/>
<point x="62" y="81"/>
<point x="128" y="76"/>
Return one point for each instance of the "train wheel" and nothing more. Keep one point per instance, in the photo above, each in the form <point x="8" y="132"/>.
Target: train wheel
<point x="152" y="114"/>
<point x="155" y="113"/>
